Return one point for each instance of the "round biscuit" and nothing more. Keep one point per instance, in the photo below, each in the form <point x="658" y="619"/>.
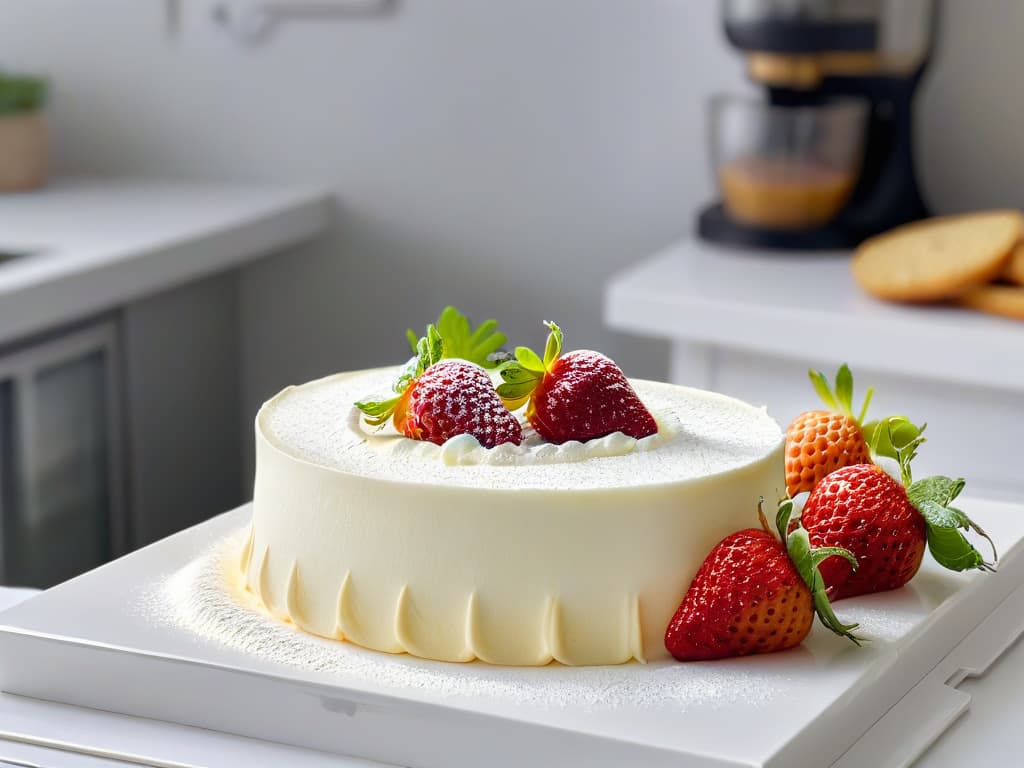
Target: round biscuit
<point x="1005" y="300"/>
<point x="937" y="258"/>
<point x="1015" y="268"/>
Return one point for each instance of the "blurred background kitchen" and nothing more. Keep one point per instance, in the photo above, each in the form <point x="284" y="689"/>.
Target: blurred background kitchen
<point x="245" y="194"/>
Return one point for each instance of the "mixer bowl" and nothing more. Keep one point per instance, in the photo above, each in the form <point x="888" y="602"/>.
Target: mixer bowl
<point x="786" y="167"/>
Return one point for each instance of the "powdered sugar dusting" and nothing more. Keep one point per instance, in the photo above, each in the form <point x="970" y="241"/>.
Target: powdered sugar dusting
<point x="203" y="598"/>
<point x="700" y="434"/>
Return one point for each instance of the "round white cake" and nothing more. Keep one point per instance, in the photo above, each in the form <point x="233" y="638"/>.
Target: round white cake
<point x="578" y="553"/>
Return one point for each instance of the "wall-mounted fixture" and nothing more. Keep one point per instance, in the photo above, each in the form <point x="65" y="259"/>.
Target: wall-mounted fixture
<point x="252" y="21"/>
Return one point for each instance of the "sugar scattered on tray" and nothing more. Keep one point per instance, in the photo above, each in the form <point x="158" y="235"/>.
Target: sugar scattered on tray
<point x="201" y="599"/>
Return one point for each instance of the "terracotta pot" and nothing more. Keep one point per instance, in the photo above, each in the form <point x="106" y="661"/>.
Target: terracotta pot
<point x="23" y="151"/>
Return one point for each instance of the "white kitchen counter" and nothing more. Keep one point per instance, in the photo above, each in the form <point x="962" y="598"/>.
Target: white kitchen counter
<point x="98" y="243"/>
<point x="750" y="324"/>
<point x="806" y="305"/>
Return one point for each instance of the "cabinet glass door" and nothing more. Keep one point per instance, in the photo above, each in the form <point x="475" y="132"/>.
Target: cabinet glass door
<point x="62" y="512"/>
<point x="65" y="526"/>
<point x="6" y="466"/>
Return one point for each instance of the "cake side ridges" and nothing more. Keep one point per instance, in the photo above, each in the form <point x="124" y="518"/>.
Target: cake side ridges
<point x="348" y="625"/>
<point x="292" y="599"/>
<point x="554" y="636"/>
<point x="246" y="557"/>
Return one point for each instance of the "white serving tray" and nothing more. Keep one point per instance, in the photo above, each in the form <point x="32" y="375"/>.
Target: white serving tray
<point x="94" y="642"/>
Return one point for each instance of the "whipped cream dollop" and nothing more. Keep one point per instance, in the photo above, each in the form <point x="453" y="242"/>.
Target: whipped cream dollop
<point x="699" y="433"/>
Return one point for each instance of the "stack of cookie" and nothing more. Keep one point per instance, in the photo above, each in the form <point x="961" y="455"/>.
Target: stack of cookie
<point x="974" y="259"/>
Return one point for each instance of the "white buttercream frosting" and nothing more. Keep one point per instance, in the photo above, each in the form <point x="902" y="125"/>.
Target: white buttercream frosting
<point x="698" y="433"/>
<point x="520" y="555"/>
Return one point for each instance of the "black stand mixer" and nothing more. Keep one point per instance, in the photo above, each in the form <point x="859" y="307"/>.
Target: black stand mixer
<point x="825" y="158"/>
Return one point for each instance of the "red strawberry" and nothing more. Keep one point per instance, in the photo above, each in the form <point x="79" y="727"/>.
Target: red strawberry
<point x="886" y="524"/>
<point x="819" y="442"/>
<point x="581" y="395"/>
<point x="439" y="399"/>
<point x="754" y="594"/>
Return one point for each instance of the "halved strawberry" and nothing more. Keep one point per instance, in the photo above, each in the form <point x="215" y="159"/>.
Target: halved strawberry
<point x="581" y="395"/>
<point x="441" y="398"/>
<point x="755" y="594"/>
<point x="885" y="524"/>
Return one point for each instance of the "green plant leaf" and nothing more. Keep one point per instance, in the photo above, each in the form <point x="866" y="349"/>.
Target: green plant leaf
<point x="823" y="388"/>
<point x="19" y="94"/>
<point x="529" y="359"/>
<point x="844" y="389"/>
<point x="412" y="338"/>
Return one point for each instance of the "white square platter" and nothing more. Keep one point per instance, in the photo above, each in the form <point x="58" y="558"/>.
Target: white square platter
<point x="98" y="641"/>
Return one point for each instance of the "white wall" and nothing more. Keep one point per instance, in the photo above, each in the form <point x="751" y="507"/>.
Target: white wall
<point x="505" y="156"/>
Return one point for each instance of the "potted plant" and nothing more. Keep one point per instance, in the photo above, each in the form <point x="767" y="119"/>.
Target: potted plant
<point x="22" y="132"/>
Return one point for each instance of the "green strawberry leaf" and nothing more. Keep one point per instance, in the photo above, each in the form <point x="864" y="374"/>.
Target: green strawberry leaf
<point x="806" y="561"/>
<point x="553" y="347"/>
<point x="482" y="351"/>
<point x="461" y="341"/>
<point x="819" y="555"/>
<point x="434" y="349"/>
<point x="529" y="359"/>
<point x="840" y="397"/>
<point x="464" y="343"/>
<point x="823" y="388"/>
<point x="887" y="437"/>
<point x="844" y="389"/>
<point x="485" y="330"/>
<point x="864" y="408"/>
<point x="932" y="497"/>
<point x="940" y="490"/>
<point x="951" y="550"/>
<point x="513" y="372"/>
<point x="938" y="516"/>
<point x="378" y="411"/>
<point x="896" y="438"/>
<point x="519" y="383"/>
<point x="453" y="326"/>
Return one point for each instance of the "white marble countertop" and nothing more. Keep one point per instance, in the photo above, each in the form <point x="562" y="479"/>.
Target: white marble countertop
<point x="802" y="304"/>
<point x="97" y="243"/>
